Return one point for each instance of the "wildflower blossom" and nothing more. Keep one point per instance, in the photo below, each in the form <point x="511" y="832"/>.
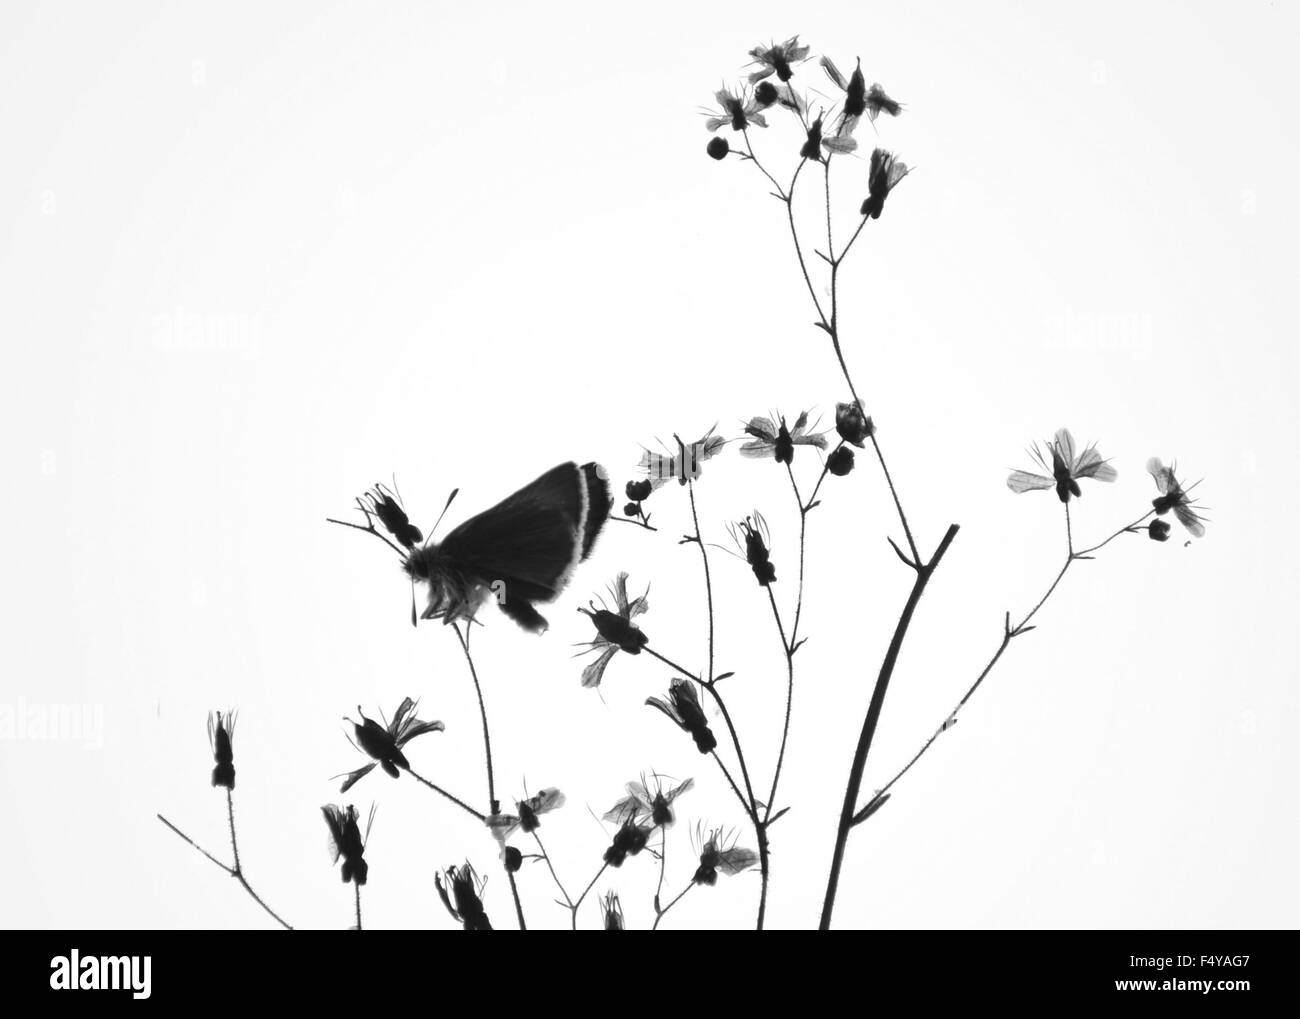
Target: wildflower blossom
<point x="528" y="820"/>
<point x="629" y="840"/>
<point x="613" y="912"/>
<point x="885" y="174"/>
<point x="1066" y="470"/>
<point x="380" y="502"/>
<point x="346" y="840"/>
<point x="852" y="424"/>
<point x="615" y="630"/>
<point x="854" y="88"/>
<point x="778" y="441"/>
<point x="461" y="892"/>
<point x="878" y="101"/>
<point x="777" y="59"/>
<point x="221" y="730"/>
<point x="752" y="537"/>
<point x="682" y="707"/>
<point x="717" y="855"/>
<point x="384" y="743"/>
<point x="685" y="465"/>
<point x="643" y="806"/>
<point x="1174" y="497"/>
<point x="740" y="111"/>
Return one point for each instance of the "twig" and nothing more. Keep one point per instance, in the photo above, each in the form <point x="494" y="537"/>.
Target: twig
<point x="494" y="805"/>
<point x="443" y="792"/>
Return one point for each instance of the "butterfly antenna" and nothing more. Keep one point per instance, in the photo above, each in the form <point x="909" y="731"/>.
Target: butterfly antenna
<point x="454" y="492"/>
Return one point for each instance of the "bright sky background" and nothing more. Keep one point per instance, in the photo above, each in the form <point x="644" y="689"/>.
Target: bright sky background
<point x="257" y="256"/>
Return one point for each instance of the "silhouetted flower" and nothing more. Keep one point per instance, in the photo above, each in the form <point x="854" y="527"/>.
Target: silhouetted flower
<point x="777" y="59"/>
<point x="1174" y="497"/>
<point x="1158" y="530"/>
<point x="384" y="742"/>
<point x="778" y="441"/>
<point x="613" y="912"/>
<point x="753" y="539"/>
<point x="684" y="464"/>
<point x="840" y="462"/>
<point x="766" y="94"/>
<point x="717" y="147"/>
<point x="346" y="840"/>
<point x="878" y="102"/>
<point x="739" y="111"/>
<point x="854" y="88"/>
<point x="380" y="502"/>
<point x="462" y="895"/>
<point x="717" y="855"/>
<point x="629" y="840"/>
<point x="221" y="730"/>
<point x="616" y="631"/>
<point x="1067" y="468"/>
<point x="512" y="858"/>
<point x="683" y="708"/>
<point x="528" y="819"/>
<point x="852" y="424"/>
<point x="638" y="492"/>
<point x="885" y="173"/>
<point x="812" y="147"/>
<point x="643" y="806"/>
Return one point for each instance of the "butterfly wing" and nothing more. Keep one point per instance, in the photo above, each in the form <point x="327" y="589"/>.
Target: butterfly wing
<point x="532" y="540"/>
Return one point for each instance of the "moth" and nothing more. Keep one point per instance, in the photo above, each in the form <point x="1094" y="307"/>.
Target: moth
<point x="520" y="553"/>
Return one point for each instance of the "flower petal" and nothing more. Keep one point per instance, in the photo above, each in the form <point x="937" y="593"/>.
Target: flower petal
<point x="593" y="673"/>
<point x="1023" y="481"/>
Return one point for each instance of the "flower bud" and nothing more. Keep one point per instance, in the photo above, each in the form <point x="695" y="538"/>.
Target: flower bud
<point x="718" y="148"/>
<point x="1158" y="530"/>
<point x="639" y="491"/>
<point x="840" y="462"/>
<point x="852" y="425"/>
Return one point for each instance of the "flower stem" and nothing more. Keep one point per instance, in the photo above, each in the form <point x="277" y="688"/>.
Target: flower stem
<point x="660" y="914"/>
<point x="923" y="573"/>
<point x="235" y="871"/>
<point x="493" y="805"/>
<point x="443" y="792"/>
<point x="358" y="897"/>
<point x="708" y="579"/>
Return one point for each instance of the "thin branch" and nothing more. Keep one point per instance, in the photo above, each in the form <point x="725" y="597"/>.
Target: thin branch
<point x="234" y="872"/>
<point x="660" y="914"/>
<point x="443" y="792"/>
<point x="494" y="805"/>
<point x="789" y="698"/>
<point x="854" y="784"/>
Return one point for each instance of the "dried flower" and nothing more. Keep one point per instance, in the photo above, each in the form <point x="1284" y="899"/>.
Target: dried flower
<point x="464" y="900"/>
<point x="777" y="59"/>
<point x="1174" y="497"/>
<point x="616" y="631"/>
<point x="778" y="441"/>
<point x="384" y="743"/>
<point x="878" y="102"/>
<point x="840" y="462"/>
<point x="613" y="912"/>
<point x="221" y="730"/>
<point x="740" y="111"/>
<point x="720" y="854"/>
<point x="629" y="840"/>
<point x="346" y="840"/>
<point x="380" y="502"/>
<point x="852" y="424"/>
<point x="683" y="708"/>
<point x="752" y="537"/>
<point x="1158" y="530"/>
<point x="642" y="806"/>
<point x="528" y="819"/>
<point x="685" y="465"/>
<point x="812" y="147"/>
<point x="885" y="174"/>
<point x="717" y="147"/>
<point x="639" y="491"/>
<point x="854" y="88"/>
<point x="1067" y="468"/>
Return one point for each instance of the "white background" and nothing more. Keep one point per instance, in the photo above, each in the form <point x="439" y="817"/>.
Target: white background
<point x="255" y="257"/>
